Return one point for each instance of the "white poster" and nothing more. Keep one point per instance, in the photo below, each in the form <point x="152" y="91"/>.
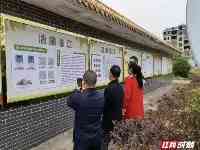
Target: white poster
<point x="103" y="57"/>
<point x="72" y="67"/>
<point x="131" y="55"/>
<point x="98" y="67"/>
<point x="41" y="62"/>
<point x="157" y="65"/>
<point x="166" y="65"/>
<point x="147" y="65"/>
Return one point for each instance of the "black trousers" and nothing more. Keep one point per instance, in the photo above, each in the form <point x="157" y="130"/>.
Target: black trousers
<point x="94" y="144"/>
<point x="106" y="140"/>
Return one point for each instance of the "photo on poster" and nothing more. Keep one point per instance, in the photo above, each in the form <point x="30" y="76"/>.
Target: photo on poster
<point x="42" y="62"/>
<point x="31" y="60"/>
<point x="31" y="63"/>
<point x="19" y="62"/>
<point x="19" y="59"/>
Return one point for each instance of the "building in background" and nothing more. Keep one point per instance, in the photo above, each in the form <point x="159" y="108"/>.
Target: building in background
<point x="178" y="37"/>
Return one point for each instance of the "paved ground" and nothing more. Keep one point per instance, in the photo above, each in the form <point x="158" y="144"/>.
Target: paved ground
<point x="64" y="141"/>
<point x="151" y="98"/>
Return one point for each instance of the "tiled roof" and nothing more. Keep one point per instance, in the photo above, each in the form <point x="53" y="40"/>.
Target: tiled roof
<point x="111" y="15"/>
<point x="108" y="13"/>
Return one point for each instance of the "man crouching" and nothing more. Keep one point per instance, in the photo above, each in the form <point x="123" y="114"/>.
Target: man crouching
<point x="88" y="106"/>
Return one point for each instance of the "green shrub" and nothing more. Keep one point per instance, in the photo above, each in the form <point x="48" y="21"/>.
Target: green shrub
<point x="195" y="103"/>
<point x="181" y="67"/>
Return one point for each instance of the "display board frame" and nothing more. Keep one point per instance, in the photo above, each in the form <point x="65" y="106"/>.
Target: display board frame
<point x="2" y="52"/>
<point x="53" y="94"/>
<point x="157" y="65"/>
<point x="66" y="91"/>
<point x="89" y="53"/>
<point x="94" y="52"/>
<point x="128" y="53"/>
<point x="147" y="64"/>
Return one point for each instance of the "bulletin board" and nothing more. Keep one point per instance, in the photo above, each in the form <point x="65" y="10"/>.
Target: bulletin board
<point x="42" y="60"/>
<point x="147" y="64"/>
<point x="157" y="65"/>
<point x="103" y="56"/>
<point x="128" y="54"/>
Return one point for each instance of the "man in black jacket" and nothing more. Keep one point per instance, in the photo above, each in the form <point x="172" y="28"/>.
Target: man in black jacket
<point x="113" y="95"/>
<point x="88" y="106"/>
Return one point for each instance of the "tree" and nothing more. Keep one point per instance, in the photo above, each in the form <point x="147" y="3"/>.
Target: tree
<point x="181" y="67"/>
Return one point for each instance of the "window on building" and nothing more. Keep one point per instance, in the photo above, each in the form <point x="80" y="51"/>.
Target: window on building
<point x="164" y="33"/>
<point x="186" y="47"/>
<point x="180" y="45"/>
<point x="180" y="39"/>
<point x="165" y="38"/>
<point x="174" y="32"/>
<point x="186" y="41"/>
<point x="169" y="32"/>
<point x="174" y="37"/>
<point x="180" y="33"/>
<point x="168" y="38"/>
<point x="180" y="27"/>
<point x="187" y="52"/>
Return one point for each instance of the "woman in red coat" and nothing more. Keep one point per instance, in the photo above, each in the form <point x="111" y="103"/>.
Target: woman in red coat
<point x="133" y="99"/>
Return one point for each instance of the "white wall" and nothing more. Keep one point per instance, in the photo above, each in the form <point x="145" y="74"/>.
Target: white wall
<point x="147" y="64"/>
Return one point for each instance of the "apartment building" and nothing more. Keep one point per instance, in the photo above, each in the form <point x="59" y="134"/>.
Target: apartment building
<point x="178" y="37"/>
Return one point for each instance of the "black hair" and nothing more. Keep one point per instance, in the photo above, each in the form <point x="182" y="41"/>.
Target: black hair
<point x="134" y="59"/>
<point x="115" y="71"/>
<point x="137" y="71"/>
<point x="90" y="78"/>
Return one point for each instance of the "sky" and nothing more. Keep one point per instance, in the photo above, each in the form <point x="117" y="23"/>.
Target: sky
<point x="153" y="15"/>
